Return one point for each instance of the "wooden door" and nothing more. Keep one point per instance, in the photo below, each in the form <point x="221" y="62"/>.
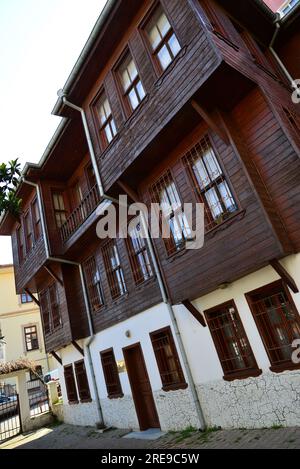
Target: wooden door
<point x="141" y="388"/>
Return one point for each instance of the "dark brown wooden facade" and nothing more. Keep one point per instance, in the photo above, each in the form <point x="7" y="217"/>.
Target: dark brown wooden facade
<point x="224" y="68"/>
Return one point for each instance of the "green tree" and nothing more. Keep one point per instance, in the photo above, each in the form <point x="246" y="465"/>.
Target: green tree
<point x="9" y="179"/>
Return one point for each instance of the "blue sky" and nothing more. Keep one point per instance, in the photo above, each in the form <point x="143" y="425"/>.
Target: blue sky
<point x="40" y="41"/>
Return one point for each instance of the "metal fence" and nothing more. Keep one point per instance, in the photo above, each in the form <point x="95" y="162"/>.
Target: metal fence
<point x="10" y="421"/>
<point x="38" y="397"/>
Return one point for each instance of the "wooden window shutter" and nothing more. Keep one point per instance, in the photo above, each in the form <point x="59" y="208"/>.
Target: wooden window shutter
<point x="70" y="384"/>
<point x="45" y="311"/>
<point x="111" y="374"/>
<point x="82" y="381"/>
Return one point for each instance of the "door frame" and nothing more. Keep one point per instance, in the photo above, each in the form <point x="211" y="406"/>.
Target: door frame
<point x="133" y="391"/>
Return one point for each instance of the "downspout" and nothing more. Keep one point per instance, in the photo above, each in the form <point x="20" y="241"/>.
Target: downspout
<point x="85" y="295"/>
<point x="162" y="288"/>
<point x="277" y="58"/>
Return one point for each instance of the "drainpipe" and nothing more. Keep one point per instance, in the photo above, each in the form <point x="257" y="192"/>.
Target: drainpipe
<point x="62" y="95"/>
<point x="85" y="295"/>
<point x="159" y="277"/>
<point x="277" y="58"/>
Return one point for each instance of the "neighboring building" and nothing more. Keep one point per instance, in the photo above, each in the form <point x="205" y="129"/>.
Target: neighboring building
<point x="20" y="324"/>
<point x="184" y="102"/>
<point x="275" y="5"/>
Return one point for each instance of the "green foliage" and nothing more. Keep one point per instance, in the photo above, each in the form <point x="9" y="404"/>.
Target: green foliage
<point x="9" y="179"/>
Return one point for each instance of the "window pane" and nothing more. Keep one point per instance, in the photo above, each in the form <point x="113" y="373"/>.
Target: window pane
<point x="201" y="173"/>
<point x="140" y="90"/>
<point x="213" y="202"/>
<point x="108" y="133"/>
<point x="154" y="37"/>
<point x="174" y="45"/>
<point x="113" y="127"/>
<point x="132" y="71"/>
<point x="163" y="25"/>
<point x="133" y="99"/>
<point x="212" y="164"/>
<point x="227" y="196"/>
<point x="164" y="57"/>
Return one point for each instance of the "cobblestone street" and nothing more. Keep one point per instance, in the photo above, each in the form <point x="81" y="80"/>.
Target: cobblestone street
<point x="67" y="436"/>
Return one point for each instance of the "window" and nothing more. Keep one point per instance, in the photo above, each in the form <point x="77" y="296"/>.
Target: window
<point x="231" y="341"/>
<point x="93" y="281"/>
<point x="162" y="40"/>
<point x="82" y="381"/>
<point x="113" y="269"/>
<point x="167" y="360"/>
<point x="28" y="232"/>
<point x="210" y="183"/>
<point x="31" y="338"/>
<point x="106" y="121"/>
<point x="50" y="309"/>
<point x="20" y="243"/>
<point x="70" y="384"/>
<point x="111" y="375"/>
<point x="132" y="88"/>
<point x="25" y="298"/>
<point x="278" y="322"/>
<point x="60" y="211"/>
<point x="38" y="371"/>
<point x="36" y="219"/>
<point x="164" y="192"/>
<point x="139" y="258"/>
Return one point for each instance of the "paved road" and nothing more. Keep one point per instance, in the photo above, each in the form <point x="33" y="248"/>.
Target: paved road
<point x="67" y="436"/>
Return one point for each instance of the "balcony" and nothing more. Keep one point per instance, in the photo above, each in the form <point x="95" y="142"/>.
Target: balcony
<point x="86" y="207"/>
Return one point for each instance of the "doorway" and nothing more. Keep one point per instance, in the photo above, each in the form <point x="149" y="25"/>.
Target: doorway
<point x="141" y="387"/>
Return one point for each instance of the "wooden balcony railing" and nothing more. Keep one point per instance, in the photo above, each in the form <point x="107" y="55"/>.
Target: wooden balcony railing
<point x="80" y="214"/>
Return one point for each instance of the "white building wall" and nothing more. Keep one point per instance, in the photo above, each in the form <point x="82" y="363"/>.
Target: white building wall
<point x="175" y="408"/>
<point x="269" y="399"/>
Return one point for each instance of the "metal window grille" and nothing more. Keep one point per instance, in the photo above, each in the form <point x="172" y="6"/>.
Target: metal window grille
<point x="36" y="219"/>
<point x="113" y="269"/>
<point x="164" y="192"/>
<point x="167" y="358"/>
<point x="60" y="211"/>
<point x="139" y="257"/>
<point x="20" y="245"/>
<point x="277" y="320"/>
<point x="111" y="375"/>
<point x="93" y="283"/>
<point x="50" y="309"/>
<point x="230" y="339"/>
<point x="82" y="381"/>
<point x="210" y="183"/>
<point x="28" y="232"/>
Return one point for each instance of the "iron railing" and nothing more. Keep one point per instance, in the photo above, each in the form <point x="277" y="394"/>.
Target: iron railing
<point x="38" y="397"/>
<point x="88" y="204"/>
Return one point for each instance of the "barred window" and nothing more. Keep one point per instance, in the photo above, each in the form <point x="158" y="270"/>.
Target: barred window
<point x="168" y="362"/>
<point x="277" y="320"/>
<point x="50" y="309"/>
<point x="111" y="375"/>
<point x="231" y="341"/>
<point x="113" y="269"/>
<point x="93" y="283"/>
<point x="164" y="192"/>
<point x="106" y="121"/>
<point x="70" y="384"/>
<point x="162" y="40"/>
<point x="138" y="254"/>
<point x="210" y="183"/>
<point x="82" y="381"/>
<point x="132" y="87"/>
